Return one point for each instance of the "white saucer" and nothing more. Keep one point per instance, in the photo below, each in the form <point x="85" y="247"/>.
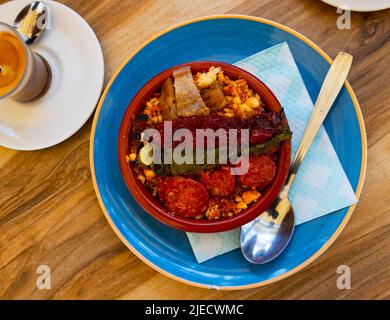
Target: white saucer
<point x="361" y="5"/>
<point x="76" y="59"/>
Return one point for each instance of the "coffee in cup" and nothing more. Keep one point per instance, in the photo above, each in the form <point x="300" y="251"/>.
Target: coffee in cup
<point x="24" y="75"/>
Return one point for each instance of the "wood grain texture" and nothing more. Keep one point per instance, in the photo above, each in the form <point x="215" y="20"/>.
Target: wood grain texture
<point x="49" y="213"/>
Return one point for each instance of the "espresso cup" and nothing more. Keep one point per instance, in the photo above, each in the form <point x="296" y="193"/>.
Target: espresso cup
<point x="24" y="74"/>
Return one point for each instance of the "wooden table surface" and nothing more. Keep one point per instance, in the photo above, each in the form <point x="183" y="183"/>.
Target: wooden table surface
<point x="49" y="213"/>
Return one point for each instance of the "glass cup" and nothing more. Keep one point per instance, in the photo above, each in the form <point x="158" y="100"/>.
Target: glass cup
<point x="24" y="74"/>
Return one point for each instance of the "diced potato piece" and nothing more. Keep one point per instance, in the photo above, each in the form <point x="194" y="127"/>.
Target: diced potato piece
<point x="253" y="102"/>
<point x="235" y="106"/>
<point x="149" y="174"/>
<point x="241" y="205"/>
<point x="152" y="102"/>
<point x="245" y="107"/>
<point x="213" y="213"/>
<point x="141" y="178"/>
<point x="250" y="196"/>
<point x="205" y="80"/>
<point x="236" y="100"/>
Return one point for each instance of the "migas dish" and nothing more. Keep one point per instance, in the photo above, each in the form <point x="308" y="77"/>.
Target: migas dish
<point x="205" y="198"/>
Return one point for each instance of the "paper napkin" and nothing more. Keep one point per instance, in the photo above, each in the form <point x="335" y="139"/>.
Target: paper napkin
<point x="321" y="186"/>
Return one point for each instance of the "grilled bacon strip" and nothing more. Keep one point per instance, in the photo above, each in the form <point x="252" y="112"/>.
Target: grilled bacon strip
<point x="188" y="98"/>
<point x="168" y="100"/>
<point x="214" y="97"/>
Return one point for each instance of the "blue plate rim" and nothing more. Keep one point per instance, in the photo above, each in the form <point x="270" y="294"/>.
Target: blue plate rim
<point x="343" y="222"/>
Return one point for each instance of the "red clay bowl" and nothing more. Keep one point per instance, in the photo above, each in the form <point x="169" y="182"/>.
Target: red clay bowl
<point x="151" y="204"/>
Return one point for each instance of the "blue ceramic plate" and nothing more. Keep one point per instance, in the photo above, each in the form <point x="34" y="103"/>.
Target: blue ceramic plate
<point x="227" y="39"/>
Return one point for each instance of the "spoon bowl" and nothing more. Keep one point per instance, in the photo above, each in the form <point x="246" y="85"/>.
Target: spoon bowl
<point x="264" y="238"/>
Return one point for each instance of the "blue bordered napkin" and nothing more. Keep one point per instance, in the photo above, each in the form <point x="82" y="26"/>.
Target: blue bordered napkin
<point x="321" y="186"/>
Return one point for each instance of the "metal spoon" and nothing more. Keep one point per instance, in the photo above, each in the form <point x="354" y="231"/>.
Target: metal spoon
<point x="32" y="21"/>
<point x="264" y="238"/>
